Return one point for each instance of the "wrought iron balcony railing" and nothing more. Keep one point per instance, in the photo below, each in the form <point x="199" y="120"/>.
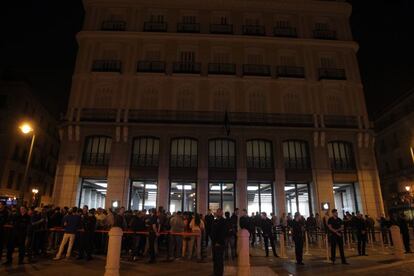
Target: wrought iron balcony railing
<point x="285" y="32"/>
<point x="111" y="25"/>
<point x="96" y="159"/>
<point x="325" y="34"/>
<point x="222" y="68"/>
<point x="106" y="66"/>
<point x="188" y="27"/>
<point x="297" y="163"/>
<point x="151" y="66"/>
<point x="155" y="26"/>
<point x="254" y="30"/>
<point x="256" y="70"/>
<point x="187" y="67"/>
<point x="143" y="160"/>
<point x="332" y="74"/>
<point x="221" y="28"/>
<point x="290" y="71"/>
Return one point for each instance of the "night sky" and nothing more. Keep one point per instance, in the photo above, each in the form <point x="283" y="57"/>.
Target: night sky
<point x="38" y="43"/>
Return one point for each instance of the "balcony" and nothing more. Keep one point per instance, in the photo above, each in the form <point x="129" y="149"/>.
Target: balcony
<point x="285" y="32"/>
<point x="290" y="72"/>
<point x="221" y="29"/>
<point x="222" y="68"/>
<point x="187" y="67"/>
<point x="151" y="66"/>
<point x="331" y="74"/>
<point x="254" y="30"/>
<point x="106" y="66"/>
<point x="188" y="27"/>
<point x="324" y="34"/>
<point x="256" y="70"/>
<point x="113" y="26"/>
<point x="155" y="26"/>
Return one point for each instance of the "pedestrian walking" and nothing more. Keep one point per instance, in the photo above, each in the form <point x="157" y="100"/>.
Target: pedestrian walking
<point x="336" y="228"/>
<point x="298" y="230"/>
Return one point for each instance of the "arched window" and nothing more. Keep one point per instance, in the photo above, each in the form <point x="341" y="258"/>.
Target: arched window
<point x="296" y="154"/>
<point x="221" y="153"/>
<point x="257" y="102"/>
<point x="97" y="151"/>
<point x="341" y="155"/>
<point x="145" y="152"/>
<point x="259" y="154"/>
<point x="291" y="102"/>
<point x="221" y="100"/>
<point x="149" y="99"/>
<point x="184" y="153"/>
<point x="185" y="99"/>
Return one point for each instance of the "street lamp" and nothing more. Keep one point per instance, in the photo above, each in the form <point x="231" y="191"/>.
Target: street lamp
<point x="35" y="191"/>
<point x="26" y="128"/>
<point x="407" y="188"/>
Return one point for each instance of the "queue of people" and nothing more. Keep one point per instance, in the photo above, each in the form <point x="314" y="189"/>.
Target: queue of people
<point x="182" y="235"/>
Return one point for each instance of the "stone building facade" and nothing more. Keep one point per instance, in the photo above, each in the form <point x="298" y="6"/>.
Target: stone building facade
<point x="194" y="105"/>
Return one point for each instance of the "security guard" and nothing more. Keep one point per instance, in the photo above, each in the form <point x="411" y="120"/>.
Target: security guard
<point x="336" y="229"/>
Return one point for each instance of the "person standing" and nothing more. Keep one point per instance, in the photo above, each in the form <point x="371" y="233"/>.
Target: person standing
<point x="177" y="227"/>
<point x="88" y="222"/>
<point x="403" y="224"/>
<point x="20" y="223"/>
<point x="152" y="224"/>
<point x="197" y="227"/>
<point x="361" y="230"/>
<point x="298" y="230"/>
<point x="336" y="228"/>
<point x="218" y="232"/>
<point x="4" y="216"/>
<point x="71" y="224"/>
<point x="230" y="237"/>
<point x="209" y="219"/>
<point x="267" y="227"/>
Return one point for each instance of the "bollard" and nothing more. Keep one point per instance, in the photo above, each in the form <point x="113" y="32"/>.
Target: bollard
<point x="114" y="252"/>
<point x="307" y="245"/>
<point x="243" y="260"/>
<point x="397" y="241"/>
<point x="282" y="253"/>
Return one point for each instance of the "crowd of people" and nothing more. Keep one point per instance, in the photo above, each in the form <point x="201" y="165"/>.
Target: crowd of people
<point x="180" y="235"/>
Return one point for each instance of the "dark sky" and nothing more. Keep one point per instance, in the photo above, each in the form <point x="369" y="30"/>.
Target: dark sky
<point x="38" y="41"/>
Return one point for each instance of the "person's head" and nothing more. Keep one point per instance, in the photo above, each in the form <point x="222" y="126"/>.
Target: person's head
<point x="121" y="211"/>
<point x="297" y="216"/>
<point x="264" y="215"/>
<point x="227" y="214"/>
<point x="311" y="215"/>
<point x="219" y="213"/>
<point x="334" y="213"/>
<point x="360" y="216"/>
<point x="85" y="209"/>
<point x="23" y="210"/>
<point x="244" y="212"/>
<point x="179" y="213"/>
<point x="236" y="211"/>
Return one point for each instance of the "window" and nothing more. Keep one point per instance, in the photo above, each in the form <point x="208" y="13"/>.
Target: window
<point x="185" y="100"/>
<point x="296" y="154"/>
<point x="187" y="56"/>
<point x="184" y="153"/>
<point x="259" y="154"/>
<point x="328" y="62"/>
<point x="145" y="152"/>
<point x="259" y="197"/>
<point x="189" y="19"/>
<point x="97" y="151"/>
<point x="298" y="199"/>
<point x="292" y="102"/>
<point x="183" y="197"/>
<point x="257" y="102"/>
<point x="10" y="180"/>
<point x="221" y="154"/>
<point x="221" y="195"/>
<point x="346" y="196"/>
<point x="149" y="99"/>
<point x="221" y="100"/>
<point x="156" y="18"/>
<point x="341" y="156"/>
<point x="143" y="195"/>
<point x="93" y="193"/>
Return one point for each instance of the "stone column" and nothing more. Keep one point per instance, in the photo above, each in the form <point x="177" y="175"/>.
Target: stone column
<point x="241" y="182"/>
<point x="202" y="176"/>
<point x="118" y="174"/>
<point x="280" y="180"/>
<point x="93" y="199"/>
<point x="163" y="173"/>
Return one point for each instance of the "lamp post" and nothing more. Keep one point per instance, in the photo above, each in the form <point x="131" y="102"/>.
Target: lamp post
<point x="26" y="128"/>
<point x="35" y="191"/>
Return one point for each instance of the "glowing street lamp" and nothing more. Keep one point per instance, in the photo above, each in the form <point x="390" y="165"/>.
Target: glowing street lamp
<point x="26" y="128"/>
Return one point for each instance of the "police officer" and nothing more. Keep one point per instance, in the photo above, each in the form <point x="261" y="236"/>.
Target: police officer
<point x="20" y="223"/>
<point x="218" y="235"/>
<point x="267" y="227"/>
<point x="336" y="229"/>
<point x="298" y="237"/>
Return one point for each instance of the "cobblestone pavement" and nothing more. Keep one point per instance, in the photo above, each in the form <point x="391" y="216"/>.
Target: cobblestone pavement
<point x="377" y="263"/>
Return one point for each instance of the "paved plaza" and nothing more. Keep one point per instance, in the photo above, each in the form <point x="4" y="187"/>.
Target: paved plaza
<point x="377" y="263"/>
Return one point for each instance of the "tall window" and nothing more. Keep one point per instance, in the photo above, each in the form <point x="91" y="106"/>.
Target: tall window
<point x="221" y="100"/>
<point x="184" y="153"/>
<point x="97" y="151"/>
<point x="257" y="102"/>
<point x="185" y="100"/>
<point x="143" y="195"/>
<point x="259" y="197"/>
<point x="221" y="153"/>
<point x="296" y="154"/>
<point x="341" y="155"/>
<point x="221" y="195"/>
<point x="183" y="196"/>
<point x="298" y="199"/>
<point x="259" y="154"/>
<point x="145" y="152"/>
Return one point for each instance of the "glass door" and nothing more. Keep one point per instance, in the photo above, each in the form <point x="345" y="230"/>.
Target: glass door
<point x="221" y="195"/>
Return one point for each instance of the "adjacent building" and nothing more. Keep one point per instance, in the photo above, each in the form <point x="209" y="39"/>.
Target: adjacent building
<point x="194" y="105"/>
<point x="18" y="104"/>
<point x="395" y="153"/>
